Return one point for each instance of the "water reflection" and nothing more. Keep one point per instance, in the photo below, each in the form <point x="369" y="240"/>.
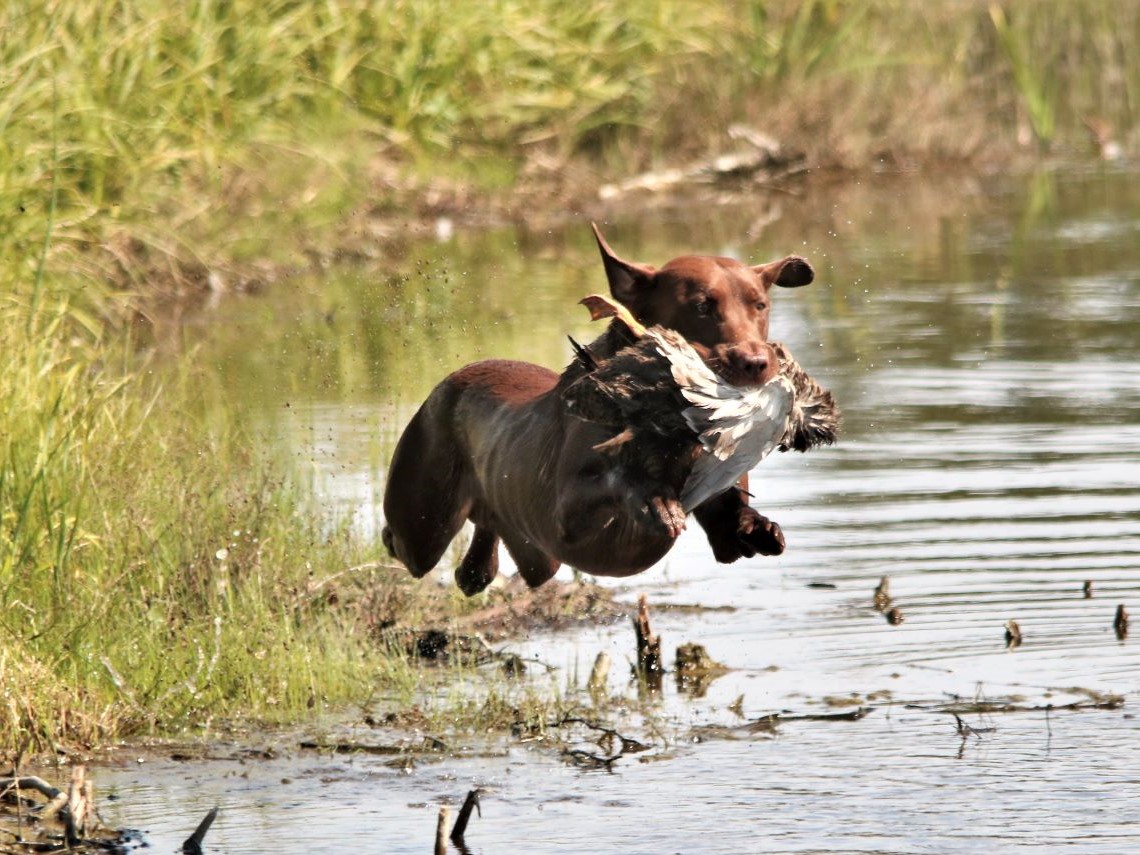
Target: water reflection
<point x="981" y="337"/>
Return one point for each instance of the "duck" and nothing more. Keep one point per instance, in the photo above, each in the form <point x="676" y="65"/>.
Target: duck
<point x="664" y="401"/>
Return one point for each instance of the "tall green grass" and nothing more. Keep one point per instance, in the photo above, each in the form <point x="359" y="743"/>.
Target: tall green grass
<point x="172" y="123"/>
<point x="156" y="569"/>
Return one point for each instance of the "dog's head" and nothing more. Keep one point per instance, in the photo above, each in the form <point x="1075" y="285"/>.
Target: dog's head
<point x="720" y="305"/>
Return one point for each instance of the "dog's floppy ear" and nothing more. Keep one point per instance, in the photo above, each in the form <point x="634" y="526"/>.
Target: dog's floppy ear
<point x="626" y="278"/>
<point x="790" y="272"/>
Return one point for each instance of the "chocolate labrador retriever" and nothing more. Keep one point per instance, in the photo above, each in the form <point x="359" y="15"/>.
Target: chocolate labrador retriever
<point x="494" y="444"/>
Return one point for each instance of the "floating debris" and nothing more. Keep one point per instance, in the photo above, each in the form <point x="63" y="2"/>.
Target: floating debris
<point x="1088" y="589"/>
<point x="1097" y="701"/>
<point x="599" y="674"/>
<point x="760" y="159"/>
<point x="1012" y="634"/>
<point x="513" y="665"/>
<point x="426" y="745"/>
<point x="614" y="744"/>
<point x="882" y="598"/>
<point x="854" y="715"/>
<point x="695" y="669"/>
<point x="894" y="616"/>
<point x="1120" y="622"/>
<point x="694" y="658"/>
<point x="965" y="730"/>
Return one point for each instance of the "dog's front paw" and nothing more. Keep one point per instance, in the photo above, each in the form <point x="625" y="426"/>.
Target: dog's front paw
<point x="758" y="535"/>
<point x="752" y="534"/>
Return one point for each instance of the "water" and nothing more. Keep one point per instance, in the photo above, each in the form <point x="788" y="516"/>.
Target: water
<point x="982" y="340"/>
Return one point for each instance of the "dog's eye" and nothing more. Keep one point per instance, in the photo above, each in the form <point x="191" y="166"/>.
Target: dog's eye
<point x="704" y="308"/>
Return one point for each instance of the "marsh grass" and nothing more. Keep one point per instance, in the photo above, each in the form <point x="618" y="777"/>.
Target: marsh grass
<point x="169" y="125"/>
<point x="156" y="570"/>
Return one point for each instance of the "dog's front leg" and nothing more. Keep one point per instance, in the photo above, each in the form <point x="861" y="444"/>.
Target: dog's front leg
<point x="735" y="529"/>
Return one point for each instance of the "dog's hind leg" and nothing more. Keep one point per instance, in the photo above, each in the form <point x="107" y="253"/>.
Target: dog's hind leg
<point x="535" y="566"/>
<point x="427" y="498"/>
<point x="481" y="563"/>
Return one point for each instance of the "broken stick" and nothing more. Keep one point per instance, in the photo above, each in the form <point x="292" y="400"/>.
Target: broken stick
<point x="78" y="806"/>
<point x="441" y="831"/>
<point x="193" y="844"/>
<point x="469" y="804"/>
<point x="648" y="644"/>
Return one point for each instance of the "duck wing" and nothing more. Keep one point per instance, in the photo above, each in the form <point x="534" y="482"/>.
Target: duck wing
<point x="736" y="432"/>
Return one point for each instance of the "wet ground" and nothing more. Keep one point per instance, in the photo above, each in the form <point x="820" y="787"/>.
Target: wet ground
<point x="982" y="339"/>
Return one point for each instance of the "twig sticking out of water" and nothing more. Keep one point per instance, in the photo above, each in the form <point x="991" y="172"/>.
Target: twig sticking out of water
<point x="648" y="644"/>
<point x="965" y="730"/>
<point x="1120" y="622"/>
<point x="1088" y="589"/>
<point x="599" y="674"/>
<point x="460" y="827"/>
<point x="80" y="806"/>
<point x="193" y="844"/>
<point x="1012" y="634"/>
<point x="441" y="831"/>
<point x="882" y="597"/>
<point x="29" y="782"/>
<point x="73" y="807"/>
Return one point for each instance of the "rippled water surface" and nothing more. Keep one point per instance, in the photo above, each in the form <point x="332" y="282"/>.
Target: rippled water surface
<point x="983" y="340"/>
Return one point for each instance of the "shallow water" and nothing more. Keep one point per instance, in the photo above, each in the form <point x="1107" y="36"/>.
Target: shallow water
<point x="982" y="339"/>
